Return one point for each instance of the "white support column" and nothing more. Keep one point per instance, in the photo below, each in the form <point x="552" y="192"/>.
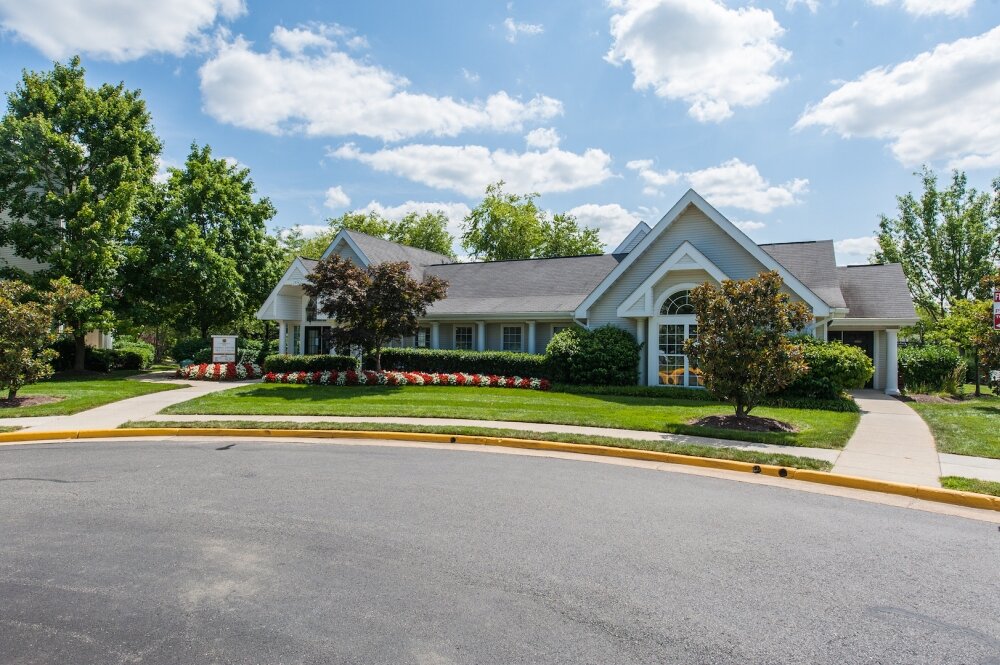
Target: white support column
<point x="640" y="336"/>
<point x="891" y="362"/>
<point x="652" y="356"/>
<point x="435" y="335"/>
<point x="480" y="335"/>
<point x="281" y="337"/>
<point x="531" y="336"/>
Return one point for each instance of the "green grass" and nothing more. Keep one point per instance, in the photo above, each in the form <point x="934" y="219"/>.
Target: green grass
<point x="971" y="485"/>
<point x="969" y="427"/>
<point x="8" y="429"/>
<point x="80" y="392"/>
<point x="820" y="429"/>
<point x="638" y="444"/>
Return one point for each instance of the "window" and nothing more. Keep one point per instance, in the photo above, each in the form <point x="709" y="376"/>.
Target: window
<point x="463" y="338"/>
<point x="422" y="340"/>
<point x="678" y="303"/>
<point x="511" y="338"/>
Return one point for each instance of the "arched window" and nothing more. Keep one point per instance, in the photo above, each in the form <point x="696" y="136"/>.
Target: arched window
<point x="678" y="303"/>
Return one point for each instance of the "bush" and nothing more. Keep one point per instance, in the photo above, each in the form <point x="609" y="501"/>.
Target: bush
<point x="201" y="356"/>
<point x="607" y="356"/>
<point x="501" y="363"/>
<point x="932" y="368"/>
<point x="279" y="363"/>
<point x="134" y="354"/>
<point x="834" y="368"/>
<point x="185" y="349"/>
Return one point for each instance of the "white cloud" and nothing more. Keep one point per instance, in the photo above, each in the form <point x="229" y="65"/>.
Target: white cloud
<point x="514" y="29"/>
<point x="852" y="251"/>
<point x="117" y="30"/>
<point x="699" y="51"/>
<point x="471" y="77"/>
<point x="336" y="197"/>
<point x="732" y="183"/>
<point x="812" y="5"/>
<point x="306" y="85"/>
<point x="942" y="105"/>
<point x="543" y="138"/>
<point x="932" y="7"/>
<point x="748" y="226"/>
<point x="468" y="169"/>
<point x="614" y="221"/>
<point x="455" y="211"/>
<point x="307" y="230"/>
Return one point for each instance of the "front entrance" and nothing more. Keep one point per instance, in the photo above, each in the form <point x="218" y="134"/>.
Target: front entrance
<point x="674" y="366"/>
<point x="863" y="339"/>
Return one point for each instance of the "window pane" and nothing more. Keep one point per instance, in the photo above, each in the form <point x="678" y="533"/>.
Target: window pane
<point x="511" y="338"/>
<point x="678" y="303"/>
<point x="463" y="338"/>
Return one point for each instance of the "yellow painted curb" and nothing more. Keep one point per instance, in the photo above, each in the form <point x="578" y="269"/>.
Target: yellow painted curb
<point x="938" y="494"/>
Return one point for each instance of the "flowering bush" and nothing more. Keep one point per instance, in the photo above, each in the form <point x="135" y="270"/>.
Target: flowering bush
<point x="370" y="378"/>
<point x="220" y="371"/>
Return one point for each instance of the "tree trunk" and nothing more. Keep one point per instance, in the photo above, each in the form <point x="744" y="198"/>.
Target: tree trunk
<point x="378" y="358"/>
<point x="80" y="358"/>
<point x="204" y="330"/>
<point x="11" y="392"/>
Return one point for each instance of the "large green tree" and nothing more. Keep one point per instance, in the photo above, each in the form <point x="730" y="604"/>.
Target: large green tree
<point x="73" y="163"/>
<point x="200" y="255"/>
<point x="947" y="241"/>
<point x="506" y="226"/>
<point x="424" y="231"/>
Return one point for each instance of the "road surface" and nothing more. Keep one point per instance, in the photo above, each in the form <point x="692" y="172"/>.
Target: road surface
<point x="269" y="552"/>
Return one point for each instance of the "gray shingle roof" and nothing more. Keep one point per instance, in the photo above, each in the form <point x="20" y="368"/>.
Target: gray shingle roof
<point x="379" y="251"/>
<point x="534" y="285"/>
<point x="814" y="264"/>
<point x="876" y="291"/>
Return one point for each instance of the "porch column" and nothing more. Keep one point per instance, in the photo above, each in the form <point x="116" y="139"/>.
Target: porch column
<point x="891" y="362"/>
<point x="652" y="356"/>
<point x="281" y="337"/>
<point x="435" y="335"/>
<point x="640" y="337"/>
<point x="480" y="335"/>
<point x="531" y="336"/>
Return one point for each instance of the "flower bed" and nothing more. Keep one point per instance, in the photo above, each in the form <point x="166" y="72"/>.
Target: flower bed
<point x="220" y="371"/>
<point x="369" y="378"/>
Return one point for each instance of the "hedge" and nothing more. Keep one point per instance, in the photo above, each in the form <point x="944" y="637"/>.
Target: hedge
<point x="501" y="363"/>
<point x="187" y="349"/>
<point x="280" y="363"/>
<point x="102" y="360"/>
<point x="606" y="356"/>
<point x="932" y="368"/>
<point x="132" y="351"/>
<point x="834" y="368"/>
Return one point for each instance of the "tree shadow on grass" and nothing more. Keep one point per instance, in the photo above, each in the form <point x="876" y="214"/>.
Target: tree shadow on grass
<point x="307" y="393"/>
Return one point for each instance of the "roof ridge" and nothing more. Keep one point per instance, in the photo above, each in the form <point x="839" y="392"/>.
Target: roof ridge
<point x="533" y="258"/>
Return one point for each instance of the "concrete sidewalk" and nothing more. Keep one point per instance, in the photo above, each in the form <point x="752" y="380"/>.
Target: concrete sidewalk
<point x="892" y="443"/>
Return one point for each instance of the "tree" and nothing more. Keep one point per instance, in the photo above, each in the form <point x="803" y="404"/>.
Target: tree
<point x="947" y="241"/>
<point x="73" y="162"/>
<point x="28" y="322"/>
<point x="563" y="236"/>
<point x="743" y="348"/>
<point x="966" y="322"/>
<point x="507" y="226"/>
<point x="201" y="253"/>
<point x="428" y="231"/>
<point x="372" y="305"/>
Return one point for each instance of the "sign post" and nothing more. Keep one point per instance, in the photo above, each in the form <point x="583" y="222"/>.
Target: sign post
<point x="223" y="349"/>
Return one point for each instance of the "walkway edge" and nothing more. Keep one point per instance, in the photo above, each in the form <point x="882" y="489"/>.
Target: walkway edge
<point x="937" y="494"/>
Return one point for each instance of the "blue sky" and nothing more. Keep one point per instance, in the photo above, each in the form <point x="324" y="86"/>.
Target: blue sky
<point x="799" y="119"/>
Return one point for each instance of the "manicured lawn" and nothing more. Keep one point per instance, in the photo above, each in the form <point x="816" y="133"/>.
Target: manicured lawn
<point x="969" y="427"/>
<point x="80" y="392"/>
<point x="638" y="444"/>
<point x="820" y="429"/>
<point x="971" y="485"/>
<point x="8" y="429"/>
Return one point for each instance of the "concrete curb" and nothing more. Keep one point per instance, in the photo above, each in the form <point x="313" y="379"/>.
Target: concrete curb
<point x="937" y="494"/>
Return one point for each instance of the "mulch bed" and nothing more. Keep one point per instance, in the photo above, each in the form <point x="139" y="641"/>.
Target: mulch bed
<point x="34" y="400"/>
<point x="744" y="423"/>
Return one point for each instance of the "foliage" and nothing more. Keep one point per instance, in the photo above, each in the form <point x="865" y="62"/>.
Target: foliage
<point x="75" y="161"/>
<point x="101" y="360"/>
<point x="507" y="363"/>
<point x="605" y="356"/>
<point x="318" y="363"/>
<point x="26" y="330"/>
<point x="976" y="485"/>
<point x="220" y="371"/>
<point x="931" y="368"/>
<point x="743" y="349"/>
<point x="134" y="352"/>
<point x="506" y="226"/>
<point x="374" y="304"/>
<point x="424" y="231"/>
<point x="947" y="241"/>
<point x="185" y="349"/>
<point x="369" y="378"/>
<point x="200" y="253"/>
<point x="833" y="369"/>
<point x="427" y="231"/>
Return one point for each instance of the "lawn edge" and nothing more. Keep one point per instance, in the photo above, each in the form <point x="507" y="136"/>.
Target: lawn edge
<point x="935" y="494"/>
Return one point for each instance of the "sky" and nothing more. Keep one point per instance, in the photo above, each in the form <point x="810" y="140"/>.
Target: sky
<point x="798" y="119"/>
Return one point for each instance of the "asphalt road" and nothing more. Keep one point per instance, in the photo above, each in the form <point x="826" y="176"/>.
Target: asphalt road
<point x="293" y="553"/>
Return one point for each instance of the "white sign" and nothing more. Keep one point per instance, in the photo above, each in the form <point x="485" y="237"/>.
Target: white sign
<point x="223" y="349"/>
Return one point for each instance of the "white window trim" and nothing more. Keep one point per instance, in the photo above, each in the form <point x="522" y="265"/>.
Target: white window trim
<point x="503" y="328"/>
<point x="472" y="338"/>
<point x="666" y="295"/>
